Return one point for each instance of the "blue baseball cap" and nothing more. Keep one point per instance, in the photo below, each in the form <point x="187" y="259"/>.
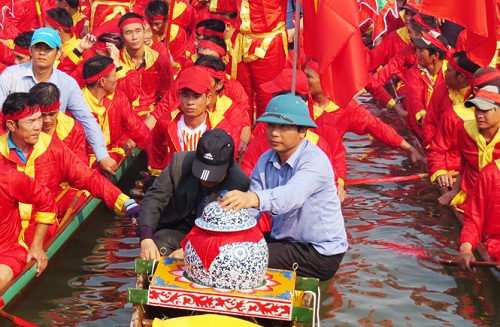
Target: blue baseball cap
<point x="48" y="36"/>
<point x="287" y="109"/>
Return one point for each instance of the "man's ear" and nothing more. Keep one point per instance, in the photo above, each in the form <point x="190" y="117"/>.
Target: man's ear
<point x="209" y="98"/>
<point x="59" y="54"/>
<point x="11" y="125"/>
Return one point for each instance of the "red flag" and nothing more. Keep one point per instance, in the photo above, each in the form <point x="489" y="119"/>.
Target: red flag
<point x="477" y="16"/>
<point x="332" y="37"/>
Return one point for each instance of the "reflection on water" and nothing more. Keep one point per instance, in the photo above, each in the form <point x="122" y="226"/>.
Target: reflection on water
<point x="388" y="277"/>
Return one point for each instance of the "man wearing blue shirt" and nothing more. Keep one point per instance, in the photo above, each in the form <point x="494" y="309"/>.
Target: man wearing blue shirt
<point x="294" y="181"/>
<point x="45" y="49"/>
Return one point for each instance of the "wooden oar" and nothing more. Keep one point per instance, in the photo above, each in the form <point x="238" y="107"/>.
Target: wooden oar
<point x="71" y="208"/>
<point x="63" y="193"/>
<point x="386" y="179"/>
<point x="16" y="320"/>
<point x="485" y="264"/>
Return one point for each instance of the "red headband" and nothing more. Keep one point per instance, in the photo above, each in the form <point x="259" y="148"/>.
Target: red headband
<point x="100" y="46"/>
<point x="56" y="24"/>
<point x="97" y="76"/>
<point x="221" y="75"/>
<point x="212" y="46"/>
<point x="431" y="39"/>
<point x="313" y="65"/>
<point x="453" y="63"/>
<point x="157" y="17"/>
<point x="51" y="107"/>
<point x="131" y="20"/>
<point x="421" y="22"/>
<point x="21" y="50"/>
<point x="202" y="30"/>
<point x="492" y="96"/>
<point x="485" y="78"/>
<point x="23" y="113"/>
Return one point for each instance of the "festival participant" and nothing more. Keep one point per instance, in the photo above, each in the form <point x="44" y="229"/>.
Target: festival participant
<point x="325" y="136"/>
<point x="153" y="43"/>
<point x="14" y="253"/>
<point x="113" y="111"/>
<point x="456" y="90"/>
<point x="20" y="54"/>
<point x="66" y="129"/>
<point x="181" y="129"/>
<point x="393" y="42"/>
<point x="157" y="16"/>
<point x="421" y="79"/>
<point x="478" y="143"/>
<point x="481" y="217"/>
<point x="44" y="50"/>
<point x="307" y="224"/>
<point x="49" y="161"/>
<point x="60" y="20"/>
<point x="355" y="118"/>
<point x="207" y="27"/>
<point x="154" y="69"/>
<point x="178" y="196"/>
<point x="259" y="46"/>
<point x="80" y="20"/>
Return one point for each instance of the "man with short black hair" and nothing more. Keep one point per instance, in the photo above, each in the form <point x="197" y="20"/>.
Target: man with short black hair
<point x="178" y="196"/>
<point x="80" y="21"/>
<point x="60" y="20"/>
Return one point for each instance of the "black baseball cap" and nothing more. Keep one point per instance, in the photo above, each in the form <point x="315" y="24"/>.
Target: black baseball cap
<point x="214" y="155"/>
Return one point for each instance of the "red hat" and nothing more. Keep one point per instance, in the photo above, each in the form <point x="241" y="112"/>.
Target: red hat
<point x="283" y="82"/>
<point x="194" y="78"/>
<point x="412" y="5"/>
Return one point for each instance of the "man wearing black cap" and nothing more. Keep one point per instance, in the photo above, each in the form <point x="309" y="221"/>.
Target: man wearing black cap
<point x="191" y="180"/>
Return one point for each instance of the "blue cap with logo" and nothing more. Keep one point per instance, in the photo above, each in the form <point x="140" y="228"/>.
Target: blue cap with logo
<point x="287" y="109"/>
<point x="48" y="36"/>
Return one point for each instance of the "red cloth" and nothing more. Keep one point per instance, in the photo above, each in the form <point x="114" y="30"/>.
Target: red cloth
<point x="345" y="56"/>
<point x="7" y="57"/>
<point x="470" y="156"/>
<point x="439" y="104"/>
<point x="165" y="141"/>
<point x="178" y="43"/>
<point x="478" y="17"/>
<point x="124" y="123"/>
<point x="23" y="17"/>
<point x="419" y="90"/>
<point x="17" y="187"/>
<point x="72" y="134"/>
<point x="442" y="153"/>
<point x="207" y="244"/>
<point x="481" y="215"/>
<point x="387" y="49"/>
<point x="159" y="47"/>
<point x="54" y="163"/>
<point x="184" y="15"/>
<point x="380" y="18"/>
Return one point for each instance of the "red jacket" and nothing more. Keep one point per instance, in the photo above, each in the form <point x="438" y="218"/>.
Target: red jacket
<point x="7" y="57"/>
<point x="51" y="162"/>
<point x="482" y="213"/>
<point x="391" y="44"/>
<point x="72" y="134"/>
<point x="419" y="89"/>
<point x="17" y="187"/>
<point x="442" y="153"/>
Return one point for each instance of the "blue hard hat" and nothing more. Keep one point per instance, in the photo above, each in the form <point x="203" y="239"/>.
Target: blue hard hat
<point x="287" y="109"/>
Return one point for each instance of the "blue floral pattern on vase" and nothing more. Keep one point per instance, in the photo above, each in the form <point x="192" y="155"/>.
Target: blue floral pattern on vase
<point x="240" y="265"/>
<point x="215" y="219"/>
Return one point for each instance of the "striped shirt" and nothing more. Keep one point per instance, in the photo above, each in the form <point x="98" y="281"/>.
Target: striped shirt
<point x="188" y="138"/>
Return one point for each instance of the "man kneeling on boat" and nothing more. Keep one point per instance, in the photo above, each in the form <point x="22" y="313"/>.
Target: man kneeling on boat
<point x="14" y="253"/>
<point x="46" y="159"/>
<point x="294" y="182"/>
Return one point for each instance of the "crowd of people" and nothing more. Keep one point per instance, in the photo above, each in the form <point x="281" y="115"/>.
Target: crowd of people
<point x="205" y="89"/>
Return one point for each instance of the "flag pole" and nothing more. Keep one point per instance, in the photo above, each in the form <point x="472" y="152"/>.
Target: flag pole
<point x="296" y="44"/>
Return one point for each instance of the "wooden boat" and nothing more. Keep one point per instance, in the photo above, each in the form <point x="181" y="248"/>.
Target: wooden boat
<point x="18" y="285"/>
<point x="168" y="294"/>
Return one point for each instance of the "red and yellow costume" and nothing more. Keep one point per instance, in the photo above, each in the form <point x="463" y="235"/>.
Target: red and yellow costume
<point x="50" y="163"/>
<point x="475" y="154"/>
<point x="155" y="79"/>
<point x="165" y="141"/>
<point x="442" y="153"/>
<point x="419" y="88"/>
<point x="118" y="122"/>
<point x="14" y="189"/>
<point x="481" y="215"/>
<point x="80" y="20"/>
<point x="388" y="48"/>
<point x="259" y="45"/>
<point x="71" y="133"/>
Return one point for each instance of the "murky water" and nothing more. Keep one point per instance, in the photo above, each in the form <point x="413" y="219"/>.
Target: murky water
<point x="388" y="277"/>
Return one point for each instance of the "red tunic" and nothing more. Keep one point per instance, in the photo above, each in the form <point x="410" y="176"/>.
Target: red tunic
<point x="419" y="89"/>
<point x="72" y="134"/>
<point x="474" y="153"/>
<point x="388" y="48"/>
<point x="442" y="153"/>
<point x="165" y="141"/>
<point x="50" y="163"/>
<point x="7" y="57"/>
<point x="16" y="187"/>
<point x="482" y="213"/>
